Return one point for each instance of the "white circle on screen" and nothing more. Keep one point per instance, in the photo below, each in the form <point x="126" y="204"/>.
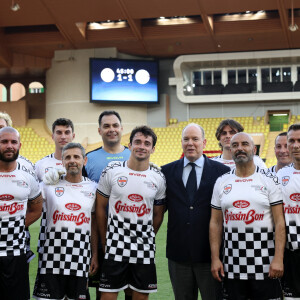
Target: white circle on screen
<point x="107" y="75"/>
<point x="142" y="76"/>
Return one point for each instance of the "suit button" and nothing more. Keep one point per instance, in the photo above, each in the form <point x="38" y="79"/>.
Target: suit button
<point x="191" y="207"/>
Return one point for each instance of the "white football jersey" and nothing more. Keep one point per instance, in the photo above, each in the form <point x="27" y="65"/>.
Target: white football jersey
<point x="132" y="194"/>
<point x="231" y="164"/>
<point x="69" y="208"/>
<point x="289" y="178"/>
<point x="25" y="162"/>
<point x="16" y="188"/>
<point x="41" y="168"/>
<point x="248" y="222"/>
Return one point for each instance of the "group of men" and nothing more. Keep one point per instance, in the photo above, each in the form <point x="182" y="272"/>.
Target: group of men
<point x="227" y="216"/>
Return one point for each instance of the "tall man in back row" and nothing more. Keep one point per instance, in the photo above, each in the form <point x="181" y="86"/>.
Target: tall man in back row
<point x="247" y="203"/>
<point x="135" y="194"/>
<point x="20" y="206"/>
<point x="190" y="183"/>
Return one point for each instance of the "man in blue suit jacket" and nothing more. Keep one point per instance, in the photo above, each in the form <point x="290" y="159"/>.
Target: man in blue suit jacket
<point x="188" y="250"/>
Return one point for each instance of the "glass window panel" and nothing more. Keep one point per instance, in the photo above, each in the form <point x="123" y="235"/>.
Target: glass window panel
<point x="207" y="77"/>
<point x="231" y="76"/>
<point x="252" y="75"/>
<point x="197" y="78"/>
<point x="286" y="74"/>
<point x="265" y="75"/>
<point x="241" y="76"/>
<point x="217" y="77"/>
<point x="298" y="73"/>
<point x="276" y="75"/>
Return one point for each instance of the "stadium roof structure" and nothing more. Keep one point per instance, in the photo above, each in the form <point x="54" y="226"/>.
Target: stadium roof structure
<point x="31" y="30"/>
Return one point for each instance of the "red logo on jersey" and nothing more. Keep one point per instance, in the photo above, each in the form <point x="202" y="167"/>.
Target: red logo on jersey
<point x="59" y="191"/>
<point x="12" y="208"/>
<point x="291" y="209"/>
<point x="295" y="197"/>
<point x="135" y="197"/>
<point x="248" y="217"/>
<point x="227" y="189"/>
<point x="285" y="180"/>
<point x="78" y="220"/>
<point x="139" y="210"/>
<point x="6" y="197"/>
<point x="137" y="174"/>
<point x="73" y="206"/>
<point x="241" y="204"/>
<point x="243" y="180"/>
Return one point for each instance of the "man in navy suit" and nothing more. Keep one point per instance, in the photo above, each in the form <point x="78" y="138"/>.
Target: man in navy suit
<point x="190" y="183"/>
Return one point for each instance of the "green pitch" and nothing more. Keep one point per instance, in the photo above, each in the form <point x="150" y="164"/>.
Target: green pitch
<point x="164" y="284"/>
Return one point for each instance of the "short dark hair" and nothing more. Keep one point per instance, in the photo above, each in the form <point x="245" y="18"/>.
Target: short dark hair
<point x="108" y="113"/>
<point x="146" y="131"/>
<point x="73" y="146"/>
<point x="62" y="122"/>
<point x="294" y="127"/>
<point x="281" y="134"/>
<point x="231" y="123"/>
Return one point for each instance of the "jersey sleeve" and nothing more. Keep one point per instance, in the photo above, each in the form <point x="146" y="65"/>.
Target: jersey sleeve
<point x="275" y="194"/>
<point x="216" y="197"/>
<point x="160" y="197"/>
<point x="104" y="185"/>
<point x="259" y="162"/>
<point x="35" y="190"/>
<point x="38" y="170"/>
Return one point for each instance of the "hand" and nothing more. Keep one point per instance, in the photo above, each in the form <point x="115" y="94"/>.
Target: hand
<point x="52" y="176"/>
<point x="153" y="165"/>
<point x="276" y="268"/>
<point x="217" y="269"/>
<point x="94" y="265"/>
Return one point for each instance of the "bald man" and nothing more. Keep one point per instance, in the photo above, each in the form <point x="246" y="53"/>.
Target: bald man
<point x="20" y="206"/>
<point x="246" y="207"/>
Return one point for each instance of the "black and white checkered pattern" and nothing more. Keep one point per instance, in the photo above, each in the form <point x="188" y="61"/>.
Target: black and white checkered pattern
<point x="140" y="249"/>
<point x="247" y="255"/>
<point x="12" y="236"/>
<point x="66" y="252"/>
<point x="293" y="234"/>
<point x="42" y="234"/>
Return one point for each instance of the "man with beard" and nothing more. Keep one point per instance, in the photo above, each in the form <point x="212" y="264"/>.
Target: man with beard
<point x="290" y="185"/>
<point x="247" y="205"/>
<point x="225" y="131"/>
<point x="66" y="257"/>
<point x="135" y="194"/>
<point x="20" y="206"/>
<point x="281" y="152"/>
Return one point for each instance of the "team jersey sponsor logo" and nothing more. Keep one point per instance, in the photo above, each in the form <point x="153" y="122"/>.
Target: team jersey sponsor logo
<point x="7" y="176"/>
<point x="243" y="180"/>
<point x="74" y="185"/>
<point x="21" y="183"/>
<point x="59" y="191"/>
<point x="285" y="180"/>
<point x="227" y="189"/>
<point x="137" y="175"/>
<point x="47" y="169"/>
<point x="135" y="197"/>
<point x="296" y="173"/>
<point x="248" y="217"/>
<point x="261" y="188"/>
<point x="122" y="181"/>
<point x="139" y="210"/>
<point x="12" y="208"/>
<point x="59" y="164"/>
<point x="73" y="206"/>
<point x="6" y="197"/>
<point x="241" y="204"/>
<point x="291" y="209"/>
<point x="88" y="194"/>
<point x="151" y="185"/>
<point x="77" y="219"/>
<point x="152" y="286"/>
<point x="295" y="197"/>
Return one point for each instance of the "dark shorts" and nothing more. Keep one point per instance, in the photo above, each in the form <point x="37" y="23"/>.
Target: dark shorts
<point x="291" y="277"/>
<point x="117" y="276"/>
<point x="236" y="289"/>
<point x="53" y="286"/>
<point x="14" y="281"/>
<point x="95" y="279"/>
